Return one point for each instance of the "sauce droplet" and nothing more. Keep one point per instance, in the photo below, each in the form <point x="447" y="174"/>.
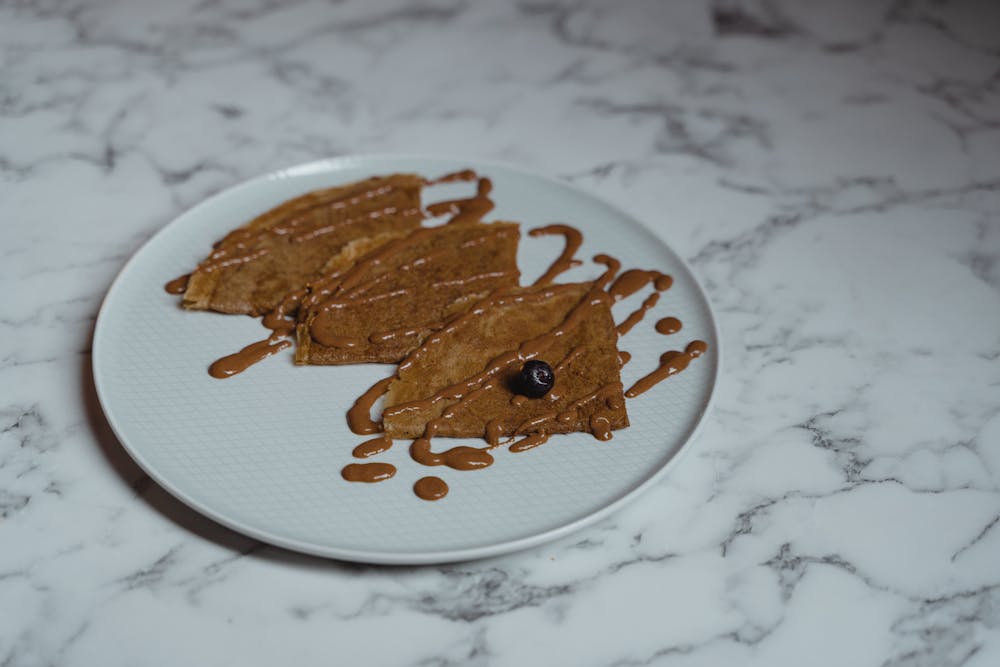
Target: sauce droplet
<point x="430" y="488"/>
<point x="368" y="473"/>
<point x="668" y="325"/>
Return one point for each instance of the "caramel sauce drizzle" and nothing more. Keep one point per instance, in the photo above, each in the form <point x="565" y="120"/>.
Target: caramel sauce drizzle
<point x="240" y="361"/>
<point x="471" y="209"/>
<point x="239" y="245"/>
<point x="340" y="287"/>
<point x="672" y="362"/>
<point x="608" y="393"/>
<point x="636" y="316"/>
<point x="359" y="417"/>
<point x="566" y="259"/>
<point x="368" y="472"/>
<point x="430" y="488"/>
<point x="372" y="447"/>
<point x="529" y="442"/>
<point x="494" y="428"/>
<point x="461" y="175"/>
<point x="458" y="458"/>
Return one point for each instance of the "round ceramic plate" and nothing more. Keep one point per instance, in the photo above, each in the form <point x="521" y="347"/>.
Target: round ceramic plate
<point x="262" y="452"/>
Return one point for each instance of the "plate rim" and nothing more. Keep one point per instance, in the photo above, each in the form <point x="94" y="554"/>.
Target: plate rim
<point x="376" y="557"/>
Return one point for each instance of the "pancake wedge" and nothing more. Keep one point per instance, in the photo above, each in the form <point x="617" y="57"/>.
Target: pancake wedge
<point x="463" y="381"/>
<point x="256" y="265"/>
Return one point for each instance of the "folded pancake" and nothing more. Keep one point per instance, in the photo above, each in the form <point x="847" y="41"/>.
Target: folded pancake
<point x="390" y="300"/>
<point x="254" y="266"/>
<point x="462" y="381"/>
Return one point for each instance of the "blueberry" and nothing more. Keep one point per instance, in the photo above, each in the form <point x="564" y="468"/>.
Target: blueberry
<point x="536" y="379"/>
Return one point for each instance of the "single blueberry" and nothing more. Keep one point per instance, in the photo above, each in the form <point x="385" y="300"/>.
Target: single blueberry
<point x="536" y="379"/>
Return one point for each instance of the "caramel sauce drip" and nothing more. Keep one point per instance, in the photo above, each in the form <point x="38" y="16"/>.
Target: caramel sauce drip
<point x="529" y="442"/>
<point x="494" y="428"/>
<point x="672" y="362"/>
<point x="467" y="210"/>
<point x="372" y="447"/>
<point x="281" y="328"/>
<point x="178" y="285"/>
<point x="600" y="427"/>
<point x="430" y="488"/>
<point x="461" y="175"/>
<point x="613" y="266"/>
<point x="359" y="417"/>
<point x="368" y="472"/>
<point x="566" y="259"/>
<point x="636" y="316"/>
<point x="240" y="361"/>
<point x="668" y="325"/>
<point x="458" y="458"/>
<point x="281" y="320"/>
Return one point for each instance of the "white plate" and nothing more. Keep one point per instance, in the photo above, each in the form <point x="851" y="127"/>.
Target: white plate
<point x="262" y="452"/>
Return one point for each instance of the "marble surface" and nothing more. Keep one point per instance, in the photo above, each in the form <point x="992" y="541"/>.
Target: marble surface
<point x="830" y="169"/>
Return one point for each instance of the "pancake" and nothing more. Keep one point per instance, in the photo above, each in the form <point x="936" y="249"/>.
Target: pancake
<point x="462" y="381"/>
<point x="386" y="303"/>
<point x="256" y="265"/>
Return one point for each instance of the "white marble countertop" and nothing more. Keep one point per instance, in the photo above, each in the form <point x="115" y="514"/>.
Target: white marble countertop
<point x="830" y="169"/>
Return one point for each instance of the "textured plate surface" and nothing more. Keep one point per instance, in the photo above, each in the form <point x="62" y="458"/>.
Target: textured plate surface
<point x="262" y="452"/>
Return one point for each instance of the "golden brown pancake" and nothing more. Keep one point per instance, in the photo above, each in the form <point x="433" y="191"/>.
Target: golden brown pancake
<point x="464" y="377"/>
<point x="254" y="266"/>
<point x="390" y="300"/>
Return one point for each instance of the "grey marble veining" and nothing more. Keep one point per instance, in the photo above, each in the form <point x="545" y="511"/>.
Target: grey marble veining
<point x="830" y="169"/>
